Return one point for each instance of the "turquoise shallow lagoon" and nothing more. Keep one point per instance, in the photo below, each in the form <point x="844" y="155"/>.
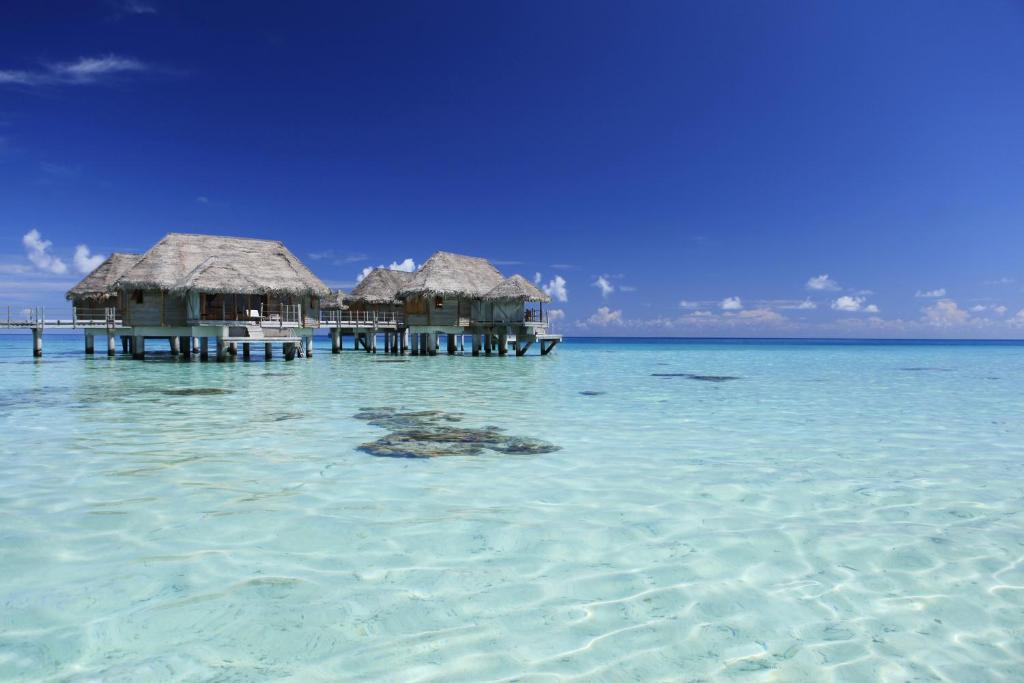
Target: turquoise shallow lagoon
<point x="838" y="512"/>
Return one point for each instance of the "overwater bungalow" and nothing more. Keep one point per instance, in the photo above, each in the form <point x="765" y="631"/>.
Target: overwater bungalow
<point x="371" y="308"/>
<point x="449" y="295"/>
<point x="196" y="287"/>
<point x="94" y="299"/>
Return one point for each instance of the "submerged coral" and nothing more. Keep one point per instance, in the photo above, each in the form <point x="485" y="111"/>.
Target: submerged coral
<point x="430" y="434"/>
<point x="196" y="391"/>
<point x="699" y="378"/>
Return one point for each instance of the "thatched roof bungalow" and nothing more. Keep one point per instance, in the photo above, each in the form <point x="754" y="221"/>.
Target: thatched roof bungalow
<point x="453" y="275"/>
<point x="185" y="278"/>
<point x="518" y="289"/>
<point x="97" y="288"/>
<point x="380" y="287"/>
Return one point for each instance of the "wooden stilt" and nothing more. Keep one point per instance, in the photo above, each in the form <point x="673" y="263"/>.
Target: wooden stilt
<point x="111" y="346"/>
<point x="175" y="346"/>
<point x="503" y="344"/>
<point x="451" y="345"/>
<point x="204" y="348"/>
<point x="185" y="344"/>
<point x="195" y="344"/>
<point x="139" y="348"/>
<point x="245" y="350"/>
<point x="309" y="346"/>
<point x="90" y="343"/>
<point x="289" y="350"/>
<point x="233" y="348"/>
<point x="335" y="340"/>
<point x="221" y="350"/>
<point x="37" y="342"/>
<point x="268" y="351"/>
<point x="124" y="344"/>
<point x="476" y="344"/>
<point x="487" y="344"/>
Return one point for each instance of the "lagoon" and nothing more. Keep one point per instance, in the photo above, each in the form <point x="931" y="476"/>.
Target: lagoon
<point x="708" y="510"/>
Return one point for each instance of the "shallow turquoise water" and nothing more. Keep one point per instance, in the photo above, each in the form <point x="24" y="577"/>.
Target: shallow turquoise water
<point x="839" y="512"/>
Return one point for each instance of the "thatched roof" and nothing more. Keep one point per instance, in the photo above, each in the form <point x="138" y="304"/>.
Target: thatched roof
<point x="211" y="264"/>
<point x="516" y="288"/>
<point x="335" y="301"/>
<point x="448" y="274"/>
<point x="380" y="286"/>
<point x="98" y="283"/>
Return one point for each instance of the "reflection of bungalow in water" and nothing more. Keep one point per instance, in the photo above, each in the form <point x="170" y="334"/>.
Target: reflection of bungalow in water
<point x="456" y="295"/>
<point x="236" y="290"/>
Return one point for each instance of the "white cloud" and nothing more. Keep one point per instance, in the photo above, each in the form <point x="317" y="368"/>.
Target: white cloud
<point x="732" y="303"/>
<point x="764" y="315"/>
<point x="556" y="314"/>
<point x="201" y="199"/>
<point x="86" y="262"/>
<point x="999" y="310"/>
<point x="931" y="293"/>
<point x="871" y="308"/>
<point x="605" y="317"/>
<point x="38" y="252"/>
<point x="556" y="289"/>
<point x="822" y="283"/>
<point x="999" y="281"/>
<point x="135" y="7"/>
<point x="848" y="304"/>
<point x="537" y="278"/>
<point x="408" y="265"/>
<point x="979" y="308"/>
<point x="84" y="71"/>
<point x="805" y="305"/>
<point x="627" y="288"/>
<point x="944" y="313"/>
<point x="604" y="285"/>
<point x="689" y="304"/>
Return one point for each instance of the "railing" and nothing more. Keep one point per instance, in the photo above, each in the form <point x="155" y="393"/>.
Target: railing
<point x="530" y="317"/>
<point x="80" y="317"/>
<point x="107" y="316"/>
<point x="285" y="314"/>
<point x="342" y="318"/>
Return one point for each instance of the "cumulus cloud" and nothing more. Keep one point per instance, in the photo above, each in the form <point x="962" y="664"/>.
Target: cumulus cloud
<point x="763" y="315"/>
<point x="408" y="265"/>
<point x="999" y="310"/>
<point x="556" y="289"/>
<point x="555" y="314"/>
<point x="944" y="313"/>
<point x="83" y="71"/>
<point x="689" y="304"/>
<point x="537" y="278"/>
<point x="732" y="303"/>
<point x="822" y="283"/>
<point x="38" y="251"/>
<point x="604" y="285"/>
<point x="86" y="262"/>
<point x="605" y="317"/>
<point x="871" y="308"/>
<point x="931" y="293"/>
<point x="848" y="304"/>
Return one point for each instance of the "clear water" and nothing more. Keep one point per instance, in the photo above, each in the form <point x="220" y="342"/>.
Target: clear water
<point x="845" y="512"/>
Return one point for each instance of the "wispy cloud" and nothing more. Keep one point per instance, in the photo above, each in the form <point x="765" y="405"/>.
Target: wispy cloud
<point x="604" y="285"/>
<point x="83" y="71"/>
<point x="945" y="313"/>
<point x="132" y="7"/>
<point x="822" y="283"/>
<point x="202" y="199"/>
<point x="342" y="259"/>
<point x="85" y="261"/>
<point x="805" y="305"/>
<point x="1000" y="281"/>
<point x="931" y="293"/>
<point x="38" y="251"/>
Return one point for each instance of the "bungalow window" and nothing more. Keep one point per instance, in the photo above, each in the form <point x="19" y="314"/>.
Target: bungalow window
<point x="137" y="296"/>
<point x="438" y="302"/>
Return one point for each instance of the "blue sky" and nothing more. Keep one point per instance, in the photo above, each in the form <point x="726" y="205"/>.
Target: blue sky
<point x="665" y="168"/>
